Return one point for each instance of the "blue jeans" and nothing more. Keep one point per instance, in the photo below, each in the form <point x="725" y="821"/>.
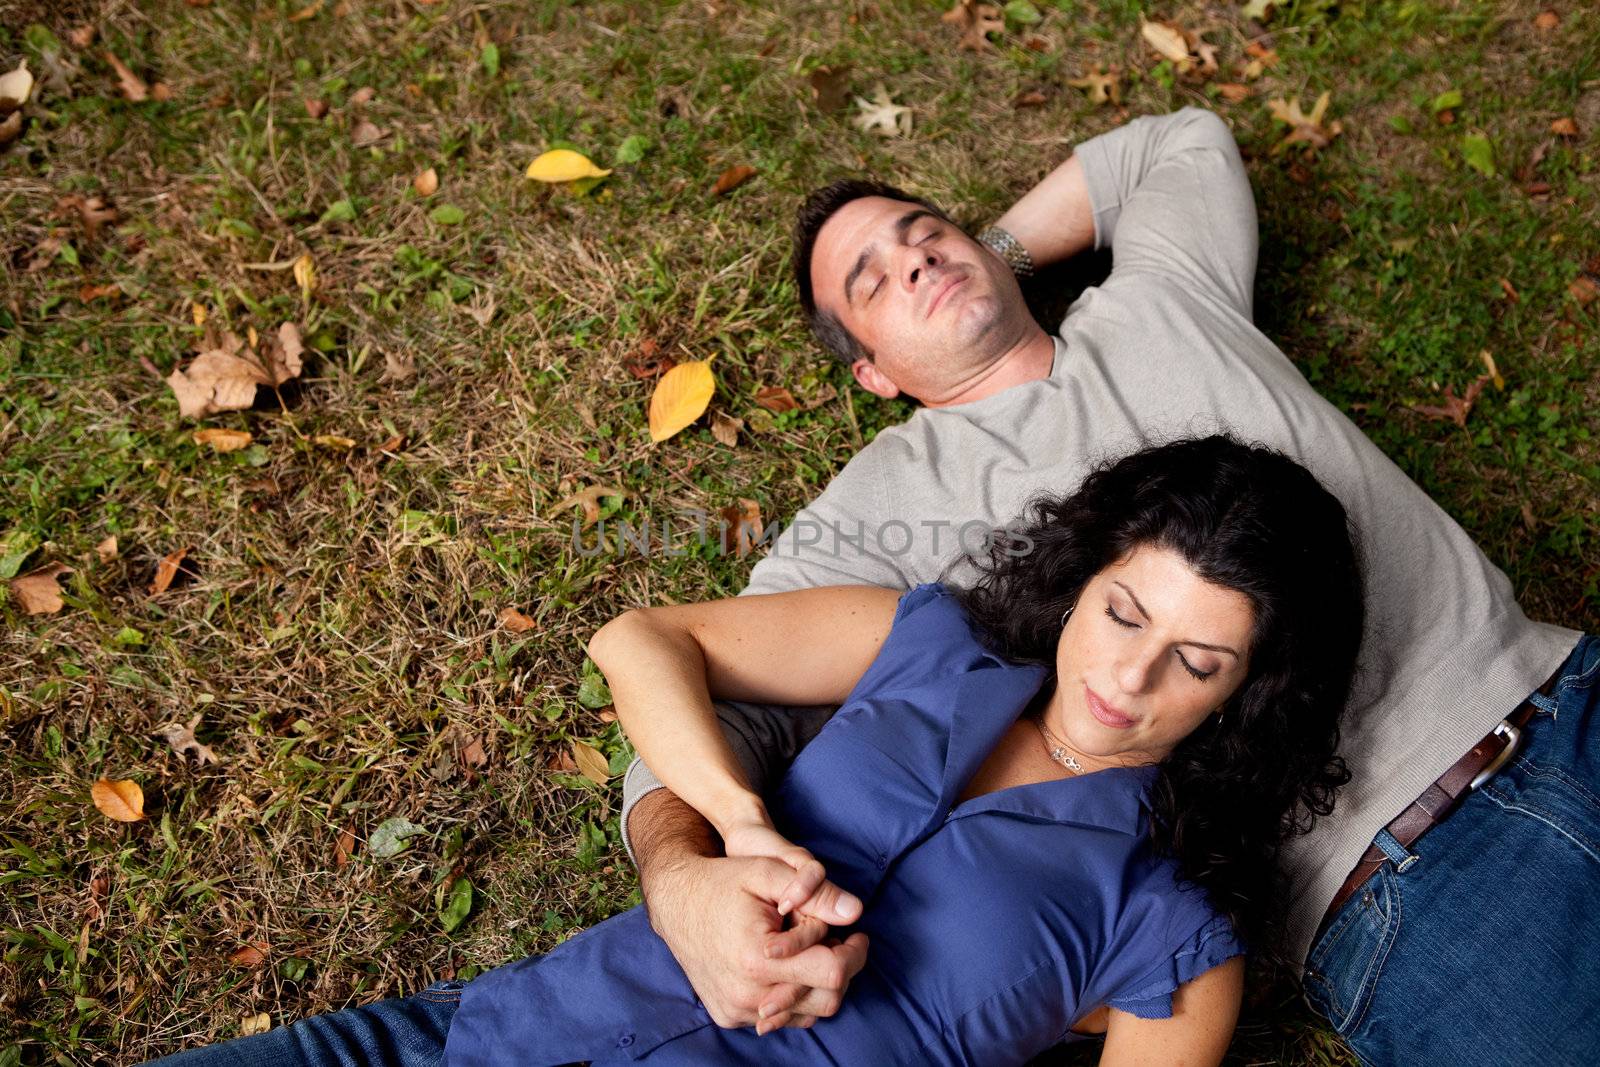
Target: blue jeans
<point x="1479" y="945"/>
<point x="401" y="1032"/>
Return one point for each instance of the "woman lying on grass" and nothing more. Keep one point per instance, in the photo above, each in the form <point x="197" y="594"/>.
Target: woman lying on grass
<point x="1059" y="793"/>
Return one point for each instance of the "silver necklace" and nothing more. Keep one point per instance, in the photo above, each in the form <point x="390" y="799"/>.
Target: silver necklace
<point x="1058" y="750"/>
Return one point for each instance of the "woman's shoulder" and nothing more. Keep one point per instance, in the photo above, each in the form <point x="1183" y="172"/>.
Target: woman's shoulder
<point x="931" y="638"/>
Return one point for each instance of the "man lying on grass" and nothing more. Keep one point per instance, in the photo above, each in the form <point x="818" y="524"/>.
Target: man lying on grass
<point x="1443" y="737"/>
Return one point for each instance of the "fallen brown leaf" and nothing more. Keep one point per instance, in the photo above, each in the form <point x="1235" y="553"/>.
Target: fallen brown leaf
<point x="1510" y="291"/>
<point x="37" y="593"/>
<point x="250" y="955"/>
<point x="316" y="108"/>
<point x="91" y="212"/>
<point x="1565" y="127"/>
<point x="106" y="550"/>
<point x="1029" y="98"/>
<point x="307" y="12"/>
<point x="133" y="87"/>
<point x="181" y="737"/>
<point x="344" y="846"/>
<point x="1584" y="290"/>
<point x="161" y="91"/>
<point x="725" y="428"/>
<point x="651" y="361"/>
<point x="1307" y="130"/>
<point x="562" y="761"/>
<point x="81" y="36"/>
<point x="1102" y="85"/>
<point x="1455" y="408"/>
<point x="1233" y="92"/>
<point x="11" y="128"/>
<point x="740" y="527"/>
<point x="362" y="96"/>
<point x="732" y="178"/>
<point x="1494" y="372"/>
<point x="221" y="440"/>
<point x="1170" y="42"/>
<point x="473" y="757"/>
<point x="167" y="570"/>
<point x="397" y="367"/>
<point x="516" y="621"/>
<point x="589" y="500"/>
<point x="776" y="398"/>
<point x="975" y="21"/>
<point x="830" y="87"/>
<point x="426" y="183"/>
<point x="87" y="293"/>
<point x="118" y="798"/>
<point x="366" y="133"/>
<point x="591" y="763"/>
<point x="1547" y="20"/>
<point x="224" y="376"/>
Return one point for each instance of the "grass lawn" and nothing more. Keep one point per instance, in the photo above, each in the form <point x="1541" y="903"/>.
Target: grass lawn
<point x="476" y="357"/>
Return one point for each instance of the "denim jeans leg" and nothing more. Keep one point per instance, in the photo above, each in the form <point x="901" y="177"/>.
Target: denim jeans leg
<point x="400" y="1032"/>
<point x="1476" y="946"/>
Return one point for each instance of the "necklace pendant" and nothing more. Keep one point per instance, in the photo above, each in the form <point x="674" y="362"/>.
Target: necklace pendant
<point x="1072" y="764"/>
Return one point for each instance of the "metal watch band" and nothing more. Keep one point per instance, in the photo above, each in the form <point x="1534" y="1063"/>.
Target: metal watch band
<point x="1009" y="249"/>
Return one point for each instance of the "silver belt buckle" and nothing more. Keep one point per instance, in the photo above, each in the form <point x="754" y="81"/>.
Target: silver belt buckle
<point x="1513" y="736"/>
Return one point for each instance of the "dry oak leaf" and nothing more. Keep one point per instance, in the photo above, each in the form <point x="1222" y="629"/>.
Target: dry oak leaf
<point x="1305" y="129"/>
<point x="516" y="621"/>
<point x="975" y="21"/>
<point x="133" y="87"/>
<point x="740" y="528"/>
<point x="426" y="183"/>
<point x="37" y="592"/>
<point x="1565" y="127"/>
<point x="589" y="500"/>
<point x="681" y="397"/>
<point x="1455" y="408"/>
<point x="776" y="399"/>
<point x="1101" y="85"/>
<point x="1170" y="42"/>
<point x="725" y="428"/>
<point x="106" y="550"/>
<point x="367" y="133"/>
<point x="732" y="178"/>
<point x="251" y="954"/>
<point x="592" y="764"/>
<point x="882" y="115"/>
<point x="224" y="376"/>
<point x="167" y="570"/>
<point x="92" y="212"/>
<point x="118" y="798"/>
<point x="181" y="737"/>
<point x="222" y="440"/>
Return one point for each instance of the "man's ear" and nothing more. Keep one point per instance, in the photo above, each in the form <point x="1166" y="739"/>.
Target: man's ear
<point x="873" y="380"/>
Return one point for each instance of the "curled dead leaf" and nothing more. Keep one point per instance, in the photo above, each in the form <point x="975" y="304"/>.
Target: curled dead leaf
<point x="591" y="763"/>
<point x="305" y="276"/>
<point x="133" y="87"/>
<point x="830" y="87"/>
<point x="308" y="12"/>
<point x="258" y="1023"/>
<point x="1233" y="92"/>
<point x="81" y="36"/>
<point x="167" y="570"/>
<point x="316" y="108"/>
<point x="181" y="737"/>
<point x="516" y="621"/>
<point x="37" y="592"/>
<point x="106" y="550"/>
<point x="1029" y="98"/>
<point x="976" y="21"/>
<point x="366" y="133"/>
<point x="221" y="440"/>
<point x="426" y="183"/>
<point x="15" y="87"/>
<point x="1565" y="127"/>
<point x="10" y="129"/>
<point x="589" y="500"/>
<point x="335" y="442"/>
<point x="90" y="212"/>
<point x="732" y="178"/>
<point x="118" y="798"/>
<point x="224" y="376"/>
<point x="344" y="846"/>
<point x="1169" y="42"/>
<point x="1307" y="130"/>
<point x="90" y="293"/>
<point x="1547" y="20"/>
<point x="681" y="397"/>
<point x="1455" y="408"/>
<point x="362" y="96"/>
<point x="740" y="528"/>
<point x="1103" y="86"/>
<point x="250" y="955"/>
<point x="881" y="115"/>
<point x="725" y="428"/>
<point x="776" y="398"/>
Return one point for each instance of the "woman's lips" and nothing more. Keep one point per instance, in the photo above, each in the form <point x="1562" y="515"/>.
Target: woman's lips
<point x="1104" y="712"/>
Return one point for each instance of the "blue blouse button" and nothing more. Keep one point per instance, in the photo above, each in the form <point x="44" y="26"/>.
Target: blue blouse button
<point x="883" y="860"/>
<point x="625" y="1040"/>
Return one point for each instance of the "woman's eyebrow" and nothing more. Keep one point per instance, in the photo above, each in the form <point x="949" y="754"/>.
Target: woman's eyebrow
<point x="1195" y="644"/>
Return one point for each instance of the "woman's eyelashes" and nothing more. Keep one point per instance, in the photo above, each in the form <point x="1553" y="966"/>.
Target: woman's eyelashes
<point x="1199" y="675"/>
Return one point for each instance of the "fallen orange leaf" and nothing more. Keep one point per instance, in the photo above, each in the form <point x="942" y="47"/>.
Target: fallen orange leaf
<point x="516" y="621"/>
<point x="166" y="571"/>
<point x="776" y="398"/>
<point x="222" y="440"/>
<point x="252" y="954"/>
<point x="680" y="398"/>
<point x="732" y="178"/>
<point x="426" y="183"/>
<point x="118" y="798"/>
<point x="133" y="87"/>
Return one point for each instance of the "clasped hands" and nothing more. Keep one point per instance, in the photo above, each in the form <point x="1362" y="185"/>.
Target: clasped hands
<point x="751" y="929"/>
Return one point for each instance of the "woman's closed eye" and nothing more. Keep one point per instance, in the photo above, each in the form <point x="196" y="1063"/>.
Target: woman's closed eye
<point x="1196" y="673"/>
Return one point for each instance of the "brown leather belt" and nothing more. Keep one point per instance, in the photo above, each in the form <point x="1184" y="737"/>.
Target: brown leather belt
<point x="1443" y="796"/>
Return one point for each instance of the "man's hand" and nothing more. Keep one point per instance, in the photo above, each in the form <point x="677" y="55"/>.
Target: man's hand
<point x="720" y="918"/>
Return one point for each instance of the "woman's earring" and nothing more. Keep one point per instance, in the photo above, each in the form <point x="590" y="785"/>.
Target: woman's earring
<point x="1064" y="615"/>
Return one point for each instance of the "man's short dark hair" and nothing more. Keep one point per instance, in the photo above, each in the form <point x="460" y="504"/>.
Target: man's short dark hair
<point x="818" y="208"/>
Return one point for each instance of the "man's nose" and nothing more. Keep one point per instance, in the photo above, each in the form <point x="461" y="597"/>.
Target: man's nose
<point x="917" y="264"/>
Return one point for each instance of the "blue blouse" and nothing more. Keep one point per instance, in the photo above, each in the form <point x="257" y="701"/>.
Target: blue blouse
<point x="994" y="922"/>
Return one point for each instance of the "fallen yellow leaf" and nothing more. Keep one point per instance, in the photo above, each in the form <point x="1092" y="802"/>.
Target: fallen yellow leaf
<point x="305" y="275"/>
<point x="682" y="395"/>
<point x="1169" y="41"/>
<point x="337" y="442"/>
<point x="197" y="312"/>
<point x="222" y="440"/>
<point x="259" y="1023"/>
<point x="591" y="764"/>
<point x="15" y="87"/>
<point x="118" y="798"/>
<point x="563" y="165"/>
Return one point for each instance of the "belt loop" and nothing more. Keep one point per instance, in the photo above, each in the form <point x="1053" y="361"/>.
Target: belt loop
<point x="1398" y="854"/>
<point x="1546" y="704"/>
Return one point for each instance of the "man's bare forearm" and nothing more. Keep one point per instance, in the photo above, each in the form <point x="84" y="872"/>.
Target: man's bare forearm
<point x="1055" y="219"/>
<point x="665" y="832"/>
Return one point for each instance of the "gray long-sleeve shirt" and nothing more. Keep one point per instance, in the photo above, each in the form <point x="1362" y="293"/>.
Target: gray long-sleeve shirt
<point x="1165" y="348"/>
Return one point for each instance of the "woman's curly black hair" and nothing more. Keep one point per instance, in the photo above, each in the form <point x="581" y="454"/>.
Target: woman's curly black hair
<point x="1252" y="520"/>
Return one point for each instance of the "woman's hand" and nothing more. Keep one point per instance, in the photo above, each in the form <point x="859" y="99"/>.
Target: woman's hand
<point x="758" y="838"/>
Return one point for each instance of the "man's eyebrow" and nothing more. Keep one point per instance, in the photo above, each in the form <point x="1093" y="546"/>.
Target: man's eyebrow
<point x="1196" y="644"/>
<point x="901" y="225"/>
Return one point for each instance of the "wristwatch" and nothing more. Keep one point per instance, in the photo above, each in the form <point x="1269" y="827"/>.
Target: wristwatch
<point x="1009" y="249"/>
